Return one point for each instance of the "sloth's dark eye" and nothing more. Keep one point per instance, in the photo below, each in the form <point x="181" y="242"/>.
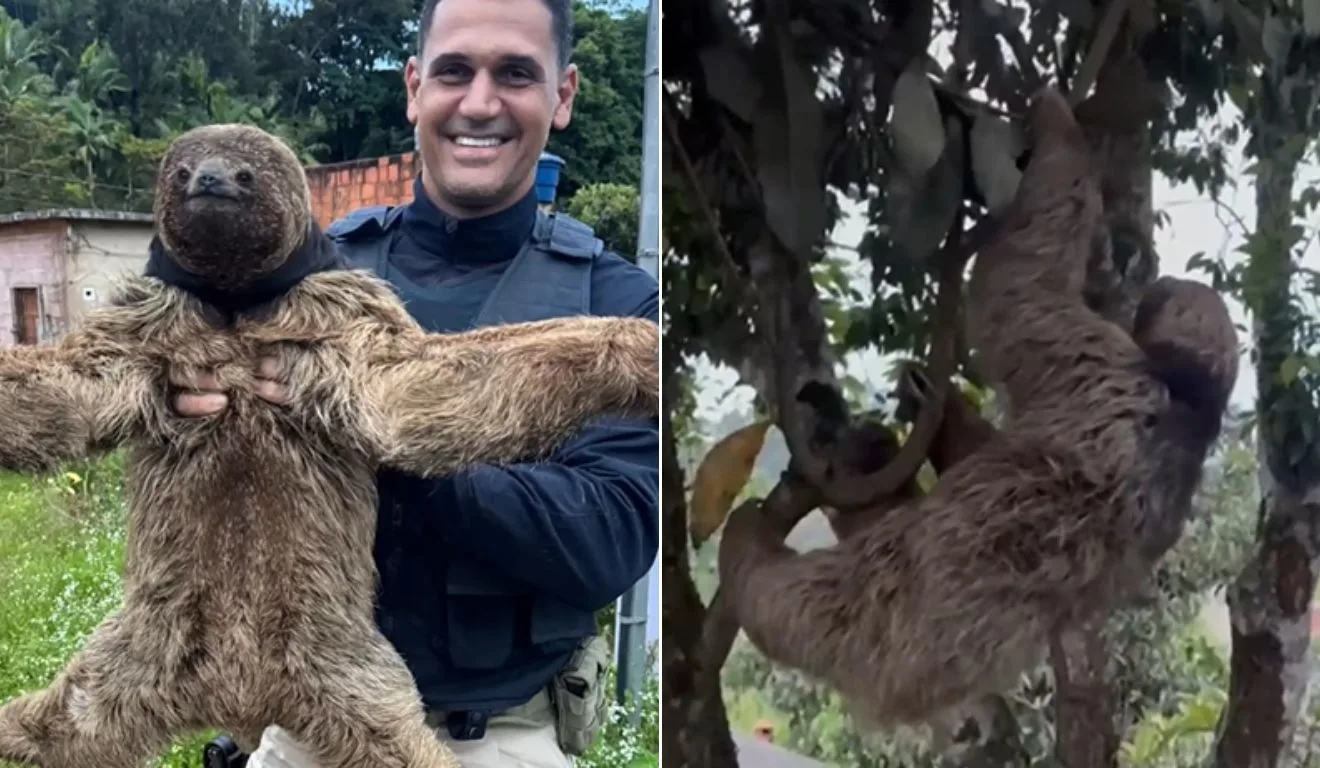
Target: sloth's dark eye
<point x="183" y="174"/>
<point x="244" y="176"/>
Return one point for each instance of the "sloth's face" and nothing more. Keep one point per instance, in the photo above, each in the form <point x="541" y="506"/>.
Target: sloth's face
<point x="231" y="203"/>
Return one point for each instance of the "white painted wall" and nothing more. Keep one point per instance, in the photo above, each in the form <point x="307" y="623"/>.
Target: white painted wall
<point x="101" y="254"/>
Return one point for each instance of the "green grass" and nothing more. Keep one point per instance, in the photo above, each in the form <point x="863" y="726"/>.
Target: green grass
<point x="61" y="555"/>
<point x="620" y="743"/>
<point x="61" y="558"/>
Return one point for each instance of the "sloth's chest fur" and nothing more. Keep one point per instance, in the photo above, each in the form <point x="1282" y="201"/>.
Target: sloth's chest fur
<point x="254" y="525"/>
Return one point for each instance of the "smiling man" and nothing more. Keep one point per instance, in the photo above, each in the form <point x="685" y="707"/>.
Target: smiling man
<point x="490" y="580"/>
<point x="484" y="95"/>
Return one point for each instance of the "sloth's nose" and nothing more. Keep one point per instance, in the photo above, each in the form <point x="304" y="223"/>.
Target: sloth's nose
<point x="207" y="179"/>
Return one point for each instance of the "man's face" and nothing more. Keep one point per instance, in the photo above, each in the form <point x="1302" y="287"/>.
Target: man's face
<point x="483" y="97"/>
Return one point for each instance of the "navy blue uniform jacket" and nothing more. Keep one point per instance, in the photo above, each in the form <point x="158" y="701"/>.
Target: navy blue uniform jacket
<point x="489" y="578"/>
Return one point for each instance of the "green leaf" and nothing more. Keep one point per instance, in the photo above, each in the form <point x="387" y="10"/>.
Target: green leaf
<point x="1237" y="93"/>
<point x="1212" y="12"/>
<point x="789" y="138"/>
<point x="928" y="214"/>
<point x="730" y="81"/>
<point x="1276" y="36"/>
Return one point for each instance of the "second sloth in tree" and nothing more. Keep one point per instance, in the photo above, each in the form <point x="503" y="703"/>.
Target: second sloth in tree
<point x="1053" y="519"/>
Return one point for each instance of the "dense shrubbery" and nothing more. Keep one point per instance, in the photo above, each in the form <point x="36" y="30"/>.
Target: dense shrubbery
<point x="92" y="91"/>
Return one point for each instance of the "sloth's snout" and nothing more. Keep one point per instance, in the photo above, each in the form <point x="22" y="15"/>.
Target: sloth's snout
<point x="207" y="180"/>
<point x="211" y="179"/>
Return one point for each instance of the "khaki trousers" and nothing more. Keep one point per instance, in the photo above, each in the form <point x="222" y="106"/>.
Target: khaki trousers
<point x="522" y="737"/>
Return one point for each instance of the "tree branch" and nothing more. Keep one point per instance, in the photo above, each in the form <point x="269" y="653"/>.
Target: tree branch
<point x="1089" y="71"/>
<point x="696" y="736"/>
<point x="838" y="486"/>
<point x="1084" y="697"/>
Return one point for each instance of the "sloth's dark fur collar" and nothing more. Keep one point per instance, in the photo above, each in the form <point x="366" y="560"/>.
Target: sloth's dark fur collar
<point x="316" y="254"/>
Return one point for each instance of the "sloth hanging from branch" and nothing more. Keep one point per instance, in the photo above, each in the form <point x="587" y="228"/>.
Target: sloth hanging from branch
<point x="920" y="612"/>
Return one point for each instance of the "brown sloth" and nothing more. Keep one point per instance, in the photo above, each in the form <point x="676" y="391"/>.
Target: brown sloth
<point x="960" y="431"/>
<point x="249" y="580"/>
<point x="950" y="597"/>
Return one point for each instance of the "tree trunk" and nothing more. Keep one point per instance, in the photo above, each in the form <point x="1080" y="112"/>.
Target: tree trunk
<point x="695" y="727"/>
<point x="1086" y="734"/>
<point x="1269" y="605"/>
<point x="1270" y="601"/>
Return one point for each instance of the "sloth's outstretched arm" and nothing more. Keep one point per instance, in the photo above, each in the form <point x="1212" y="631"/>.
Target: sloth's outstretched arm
<point x="511" y="393"/>
<point x="1034" y="337"/>
<point x="66" y="402"/>
<point x="962" y="431"/>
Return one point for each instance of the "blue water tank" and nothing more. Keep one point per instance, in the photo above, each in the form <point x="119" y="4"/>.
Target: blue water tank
<point x="547" y="177"/>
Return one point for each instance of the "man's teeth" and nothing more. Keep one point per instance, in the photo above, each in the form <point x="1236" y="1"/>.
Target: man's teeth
<point x="469" y="141"/>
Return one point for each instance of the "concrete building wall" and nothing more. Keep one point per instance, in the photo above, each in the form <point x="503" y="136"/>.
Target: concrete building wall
<point x="31" y="254"/>
<point x="341" y="188"/>
<point x="101" y="254"/>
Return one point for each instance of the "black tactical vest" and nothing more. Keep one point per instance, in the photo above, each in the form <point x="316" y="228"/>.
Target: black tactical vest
<point x="473" y="639"/>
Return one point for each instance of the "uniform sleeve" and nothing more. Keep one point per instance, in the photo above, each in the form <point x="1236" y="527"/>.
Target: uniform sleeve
<point x="584" y="525"/>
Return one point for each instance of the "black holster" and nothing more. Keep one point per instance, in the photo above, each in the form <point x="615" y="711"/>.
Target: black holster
<point x="222" y="752"/>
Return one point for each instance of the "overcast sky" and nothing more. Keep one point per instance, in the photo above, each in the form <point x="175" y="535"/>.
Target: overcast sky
<point x="1194" y="223"/>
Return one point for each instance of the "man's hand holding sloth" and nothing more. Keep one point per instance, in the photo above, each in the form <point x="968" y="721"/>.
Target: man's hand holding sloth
<point x="202" y="395"/>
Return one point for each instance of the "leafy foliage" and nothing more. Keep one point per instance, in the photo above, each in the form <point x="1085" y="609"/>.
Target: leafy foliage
<point x="612" y="210"/>
<point x="92" y="91"/>
<point x="624" y="743"/>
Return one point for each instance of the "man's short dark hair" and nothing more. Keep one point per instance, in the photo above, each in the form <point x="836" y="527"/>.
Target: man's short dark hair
<point x="561" y="27"/>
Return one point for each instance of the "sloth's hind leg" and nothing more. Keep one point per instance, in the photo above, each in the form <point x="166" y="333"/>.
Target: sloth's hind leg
<point x="367" y="713"/>
<point x="90" y="716"/>
<point x="346" y="731"/>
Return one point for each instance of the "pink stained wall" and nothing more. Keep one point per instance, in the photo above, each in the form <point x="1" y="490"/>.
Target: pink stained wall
<point x="31" y="256"/>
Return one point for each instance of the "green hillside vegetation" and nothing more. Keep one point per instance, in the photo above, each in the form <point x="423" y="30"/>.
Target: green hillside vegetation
<point x="92" y="91"/>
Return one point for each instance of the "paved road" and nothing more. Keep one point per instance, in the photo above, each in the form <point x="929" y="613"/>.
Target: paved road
<point x="755" y="753"/>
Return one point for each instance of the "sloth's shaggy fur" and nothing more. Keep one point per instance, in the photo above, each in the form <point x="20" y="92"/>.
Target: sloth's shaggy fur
<point x="949" y="597"/>
<point x="249" y="579"/>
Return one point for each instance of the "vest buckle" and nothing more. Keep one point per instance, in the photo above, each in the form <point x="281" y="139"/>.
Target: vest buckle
<point x="467" y="725"/>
